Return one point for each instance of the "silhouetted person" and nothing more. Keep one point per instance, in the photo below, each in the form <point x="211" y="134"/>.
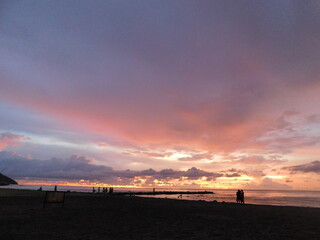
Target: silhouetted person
<point x="55" y="188"/>
<point x="242" y="196"/>
<point x="40" y="189"/>
<point x="93" y="190"/>
<point x="238" y="194"/>
<point x="98" y="189"/>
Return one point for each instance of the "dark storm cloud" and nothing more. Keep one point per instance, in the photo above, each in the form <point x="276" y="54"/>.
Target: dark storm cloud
<point x="312" y="167"/>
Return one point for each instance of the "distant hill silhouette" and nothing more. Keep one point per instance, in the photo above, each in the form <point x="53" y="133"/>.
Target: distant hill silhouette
<point x="4" y="180"/>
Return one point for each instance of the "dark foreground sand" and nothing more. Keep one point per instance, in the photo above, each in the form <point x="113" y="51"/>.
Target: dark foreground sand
<point x="87" y="216"/>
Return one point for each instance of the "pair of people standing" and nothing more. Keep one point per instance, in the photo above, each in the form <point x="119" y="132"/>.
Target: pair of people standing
<point x="240" y="196"/>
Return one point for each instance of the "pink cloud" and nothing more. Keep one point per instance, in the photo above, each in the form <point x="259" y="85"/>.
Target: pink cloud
<point x="257" y="160"/>
<point x="267" y="184"/>
<point x="10" y="139"/>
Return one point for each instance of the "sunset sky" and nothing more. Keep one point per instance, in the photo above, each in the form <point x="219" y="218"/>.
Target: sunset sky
<point x="190" y="94"/>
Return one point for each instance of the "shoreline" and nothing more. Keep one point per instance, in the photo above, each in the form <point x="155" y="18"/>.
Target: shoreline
<point x="157" y="195"/>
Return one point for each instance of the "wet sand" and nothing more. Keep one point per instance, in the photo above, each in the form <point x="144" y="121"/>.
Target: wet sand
<point x="93" y="216"/>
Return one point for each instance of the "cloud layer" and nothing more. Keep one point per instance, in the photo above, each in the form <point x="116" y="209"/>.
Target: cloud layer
<point x="82" y="168"/>
<point x="312" y="167"/>
<point x="164" y="75"/>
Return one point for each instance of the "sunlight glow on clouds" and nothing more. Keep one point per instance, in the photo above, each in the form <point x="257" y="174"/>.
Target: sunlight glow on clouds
<point x="180" y="85"/>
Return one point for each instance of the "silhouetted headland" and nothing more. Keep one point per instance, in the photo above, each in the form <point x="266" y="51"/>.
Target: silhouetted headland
<point x="4" y="180"/>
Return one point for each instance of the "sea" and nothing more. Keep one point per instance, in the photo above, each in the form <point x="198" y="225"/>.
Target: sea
<point x="298" y="198"/>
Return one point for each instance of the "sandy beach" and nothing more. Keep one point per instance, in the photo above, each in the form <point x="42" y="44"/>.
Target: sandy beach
<point x="89" y="216"/>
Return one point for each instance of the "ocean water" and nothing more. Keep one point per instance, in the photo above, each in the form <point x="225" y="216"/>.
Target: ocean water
<point x="264" y="197"/>
<point x="261" y="197"/>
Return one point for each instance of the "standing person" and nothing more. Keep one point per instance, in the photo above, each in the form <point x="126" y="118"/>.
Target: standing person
<point x="238" y="194"/>
<point x="55" y="188"/>
<point x="242" y="196"/>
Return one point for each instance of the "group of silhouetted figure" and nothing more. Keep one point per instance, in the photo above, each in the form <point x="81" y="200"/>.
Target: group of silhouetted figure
<point x="104" y="190"/>
<point x="240" y="196"/>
